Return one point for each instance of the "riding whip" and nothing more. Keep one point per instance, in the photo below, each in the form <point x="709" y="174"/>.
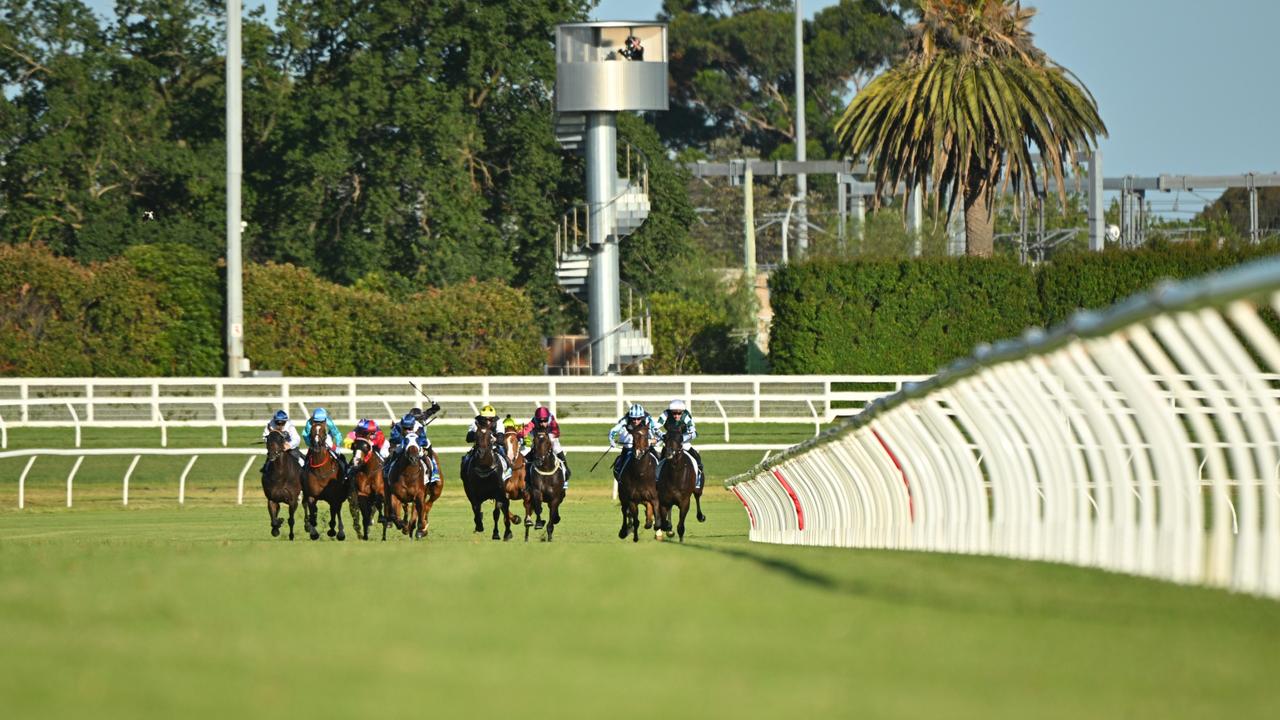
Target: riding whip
<point x="597" y="462"/>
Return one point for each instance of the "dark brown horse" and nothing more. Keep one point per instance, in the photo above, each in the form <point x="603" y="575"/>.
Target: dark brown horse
<point x="367" y="488"/>
<point x="638" y="485"/>
<point x="515" y="458"/>
<point x="545" y="483"/>
<point x="322" y="480"/>
<point x="482" y="479"/>
<point x="282" y="482"/>
<point x="406" y="488"/>
<point x="677" y="477"/>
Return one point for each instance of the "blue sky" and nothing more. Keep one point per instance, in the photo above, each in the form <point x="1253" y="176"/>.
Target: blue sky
<point x="1184" y="85"/>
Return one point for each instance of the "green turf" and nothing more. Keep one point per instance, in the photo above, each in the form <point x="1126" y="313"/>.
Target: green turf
<point x="161" y="611"/>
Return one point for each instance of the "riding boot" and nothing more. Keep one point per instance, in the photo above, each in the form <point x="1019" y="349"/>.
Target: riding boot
<point x="434" y="465"/>
<point x="564" y="464"/>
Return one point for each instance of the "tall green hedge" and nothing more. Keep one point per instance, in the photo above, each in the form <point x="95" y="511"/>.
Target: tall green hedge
<point x="915" y="316"/>
<point x="158" y="310"/>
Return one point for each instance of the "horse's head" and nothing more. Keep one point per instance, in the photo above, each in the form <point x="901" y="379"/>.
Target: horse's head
<point x="543" y="447"/>
<point x="484" y="441"/>
<point x="640" y="438"/>
<point x="319" y="433"/>
<point x="361" y="449"/>
<point x="414" y="451"/>
<point x="275" y="445"/>
<point x="511" y="441"/>
<point x="672" y="444"/>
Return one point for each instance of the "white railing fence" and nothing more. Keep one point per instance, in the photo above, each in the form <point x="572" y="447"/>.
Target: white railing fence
<point x="165" y="403"/>
<point x="1144" y="439"/>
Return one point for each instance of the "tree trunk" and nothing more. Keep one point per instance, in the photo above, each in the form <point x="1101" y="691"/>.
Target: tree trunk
<point x="979" y="224"/>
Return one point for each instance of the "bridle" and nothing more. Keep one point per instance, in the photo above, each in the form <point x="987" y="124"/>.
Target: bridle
<point x="484" y="448"/>
<point x="275" y="445"/>
<point x="543" y="437"/>
<point x="318" y="435"/>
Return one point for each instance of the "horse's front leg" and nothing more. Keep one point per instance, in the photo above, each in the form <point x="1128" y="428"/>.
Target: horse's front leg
<point x="336" y="510"/>
<point x="684" y="510"/>
<point x="626" y="520"/>
<point x="419" y="507"/>
<point x="273" y="508"/>
<point x="506" y="516"/>
<point x="313" y="518"/>
<point x="497" y="508"/>
<point x="475" y="514"/>
<point x="293" y="507"/>
<point x="648" y="514"/>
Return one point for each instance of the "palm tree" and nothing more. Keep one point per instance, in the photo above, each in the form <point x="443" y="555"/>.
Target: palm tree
<point x="964" y="107"/>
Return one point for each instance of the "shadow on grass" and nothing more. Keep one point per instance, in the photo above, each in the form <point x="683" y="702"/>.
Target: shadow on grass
<point x="791" y="570"/>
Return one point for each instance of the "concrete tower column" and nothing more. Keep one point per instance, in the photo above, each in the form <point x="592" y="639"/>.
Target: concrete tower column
<point x="603" y="274"/>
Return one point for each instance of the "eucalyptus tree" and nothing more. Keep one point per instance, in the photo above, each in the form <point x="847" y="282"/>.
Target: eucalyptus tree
<point x="964" y="108"/>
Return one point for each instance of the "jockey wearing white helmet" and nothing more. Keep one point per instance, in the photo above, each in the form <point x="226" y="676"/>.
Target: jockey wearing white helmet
<point x="677" y="415"/>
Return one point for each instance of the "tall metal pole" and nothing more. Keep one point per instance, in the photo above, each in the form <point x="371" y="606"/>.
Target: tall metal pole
<point x="603" y="314"/>
<point x="235" y="299"/>
<point x="749" y="223"/>
<point x="1097" y="219"/>
<point x="802" y="181"/>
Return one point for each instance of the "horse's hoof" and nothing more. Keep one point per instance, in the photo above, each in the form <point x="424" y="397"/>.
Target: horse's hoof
<point x="635" y="537"/>
<point x="290" y="536"/>
<point x="419" y="535"/>
<point x="506" y="536"/>
<point x="315" y="535"/>
<point x="539" y="525"/>
<point x="275" y="532"/>
<point x="702" y="518"/>
<point x="332" y="533"/>
<point x="342" y="536"/>
<point x="658" y="535"/>
<point x="622" y="534"/>
<point x="495" y="535"/>
<point x="648" y="524"/>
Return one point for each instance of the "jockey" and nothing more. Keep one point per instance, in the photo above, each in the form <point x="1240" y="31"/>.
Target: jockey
<point x="544" y="420"/>
<point x="677" y="417"/>
<point x="413" y="425"/>
<point x="292" y="440"/>
<point x="332" y="438"/>
<point x="472" y="433"/>
<point x="636" y="417"/>
<point x="367" y="429"/>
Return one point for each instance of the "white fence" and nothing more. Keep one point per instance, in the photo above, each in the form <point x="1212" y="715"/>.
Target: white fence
<point x="164" y="403"/>
<point x="1145" y="440"/>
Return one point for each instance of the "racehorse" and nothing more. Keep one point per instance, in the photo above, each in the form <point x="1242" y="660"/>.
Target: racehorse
<point x="637" y="485"/>
<point x="515" y="483"/>
<point x="406" y="487"/>
<point x="545" y="484"/>
<point x="482" y="479"/>
<point x="322" y="480"/>
<point x="368" y="491"/>
<point x="281" y="483"/>
<point x="677" y="476"/>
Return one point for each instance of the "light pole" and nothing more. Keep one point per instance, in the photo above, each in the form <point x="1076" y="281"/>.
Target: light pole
<point x="802" y="181"/>
<point x="235" y="273"/>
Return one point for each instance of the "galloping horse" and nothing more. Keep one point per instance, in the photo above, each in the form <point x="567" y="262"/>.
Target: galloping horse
<point x="546" y="483"/>
<point x="406" y="487"/>
<point x="482" y="479"/>
<point x="367" y="488"/>
<point x="637" y="485"/>
<point x="322" y="480"/>
<point x="281" y="483"/>
<point x="515" y="483"/>
<point x="677" y="477"/>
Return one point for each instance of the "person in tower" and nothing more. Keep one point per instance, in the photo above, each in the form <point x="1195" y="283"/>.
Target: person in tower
<point x="544" y="420"/>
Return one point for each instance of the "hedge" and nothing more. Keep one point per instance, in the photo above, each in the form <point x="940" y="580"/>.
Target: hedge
<point x="915" y="316"/>
<point x="158" y="310"/>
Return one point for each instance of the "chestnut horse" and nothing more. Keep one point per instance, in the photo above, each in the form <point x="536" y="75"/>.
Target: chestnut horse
<point x="368" y="491"/>
<point x="677" y="476"/>
<point x="406" y="487"/>
<point x="637" y="485"/>
<point x="544" y="484"/>
<point x="322" y="480"/>
<point x="515" y="458"/>
<point x="482" y="479"/>
<point x="282" y="482"/>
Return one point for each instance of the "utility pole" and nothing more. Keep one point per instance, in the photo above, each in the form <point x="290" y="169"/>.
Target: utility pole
<point x="235" y="273"/>
<point x="802" y="181"/>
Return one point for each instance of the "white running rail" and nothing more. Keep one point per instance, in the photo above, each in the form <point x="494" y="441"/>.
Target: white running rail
<point x="1144" y="439"/>
<point x="165" y="403"/>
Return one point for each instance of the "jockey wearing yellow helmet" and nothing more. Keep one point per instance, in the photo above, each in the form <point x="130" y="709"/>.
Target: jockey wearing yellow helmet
<point x="489" y="417"/>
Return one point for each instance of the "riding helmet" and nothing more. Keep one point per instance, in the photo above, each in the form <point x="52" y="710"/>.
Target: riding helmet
<point x="676" y="405"/>
<point x="408" y="421"/>
<point x="320" y="415"/>
<point x="281" y="417"/>
<point x="636" y="411"/>
<point x="488" y="411"/>
<point x="541" y="414"/>
<point x="363" y="425"/>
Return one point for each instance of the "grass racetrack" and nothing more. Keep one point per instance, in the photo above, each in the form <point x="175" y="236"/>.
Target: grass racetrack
<point x="160" y="611"/>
